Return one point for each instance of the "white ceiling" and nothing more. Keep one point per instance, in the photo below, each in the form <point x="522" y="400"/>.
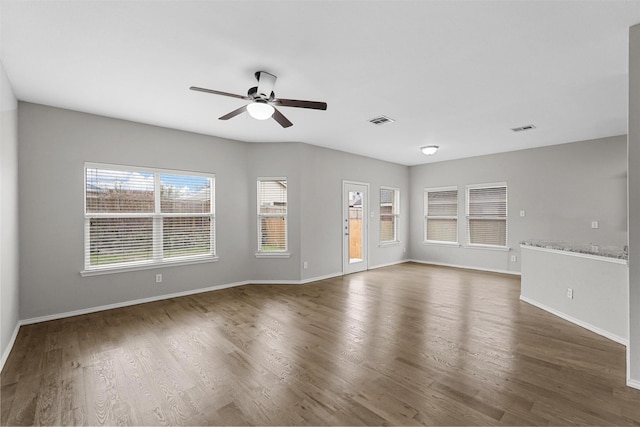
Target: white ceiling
<point x="458" y="74"/>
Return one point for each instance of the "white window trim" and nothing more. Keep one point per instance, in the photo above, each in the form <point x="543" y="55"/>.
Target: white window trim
<point x="395" y="214"/>
<point x="272" y="254"/>
<point x="389" y="243"/>
<point x="156" y="261"/>
<point x="470" y="245"/>
<point x="426" y="217"/>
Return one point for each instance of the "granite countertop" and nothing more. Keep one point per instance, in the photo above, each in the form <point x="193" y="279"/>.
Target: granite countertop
<point x="582" y="248"/>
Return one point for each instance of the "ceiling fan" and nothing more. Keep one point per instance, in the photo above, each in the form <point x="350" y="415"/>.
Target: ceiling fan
<point x="263" y="101"/>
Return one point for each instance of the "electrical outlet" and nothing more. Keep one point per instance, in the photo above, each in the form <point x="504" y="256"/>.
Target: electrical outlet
<point x="514" y="258"/>
<point x="158" y="278"/>
<point x="569" y="293"/>
<point x="594" y="224"/>
<point x="522" y="213"/>
<point x="305" y="264"/>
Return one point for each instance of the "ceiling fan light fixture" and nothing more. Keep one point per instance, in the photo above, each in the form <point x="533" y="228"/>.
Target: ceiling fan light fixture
<point x="260" y="110"/>
<point x="429" y="150"/>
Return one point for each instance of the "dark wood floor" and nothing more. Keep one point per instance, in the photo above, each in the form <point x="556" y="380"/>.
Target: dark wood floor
<point x="409" y="344"/>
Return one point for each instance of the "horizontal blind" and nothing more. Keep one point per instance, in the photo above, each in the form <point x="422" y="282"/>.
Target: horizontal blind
<point x="146" y="216"/>
<point x="111" y="191"/>
<point x="487" y="215"/>
<point x="120" y="240"/>
<point x="441" y="215"/>
<point x="184" y="200"/>
<point x="185" y="194"/>
<point x="272" y="215"/>
<point x="389" y="212"/>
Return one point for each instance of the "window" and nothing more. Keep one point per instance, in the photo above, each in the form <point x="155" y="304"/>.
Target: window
<point x="272" y="217"/>
<point x="487" y="214"/>
<point x="389" y="214"/>
<point x="136" y="217"/>
<point x="441" y="215"/>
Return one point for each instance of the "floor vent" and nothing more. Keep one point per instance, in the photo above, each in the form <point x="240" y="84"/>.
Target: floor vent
<point x="380" y="120"/>
<point x="523" y="128"/>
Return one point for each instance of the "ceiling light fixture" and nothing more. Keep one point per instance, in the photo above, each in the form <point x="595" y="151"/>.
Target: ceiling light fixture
<point x="429" y="150"/>
<point x="260" y="110"/>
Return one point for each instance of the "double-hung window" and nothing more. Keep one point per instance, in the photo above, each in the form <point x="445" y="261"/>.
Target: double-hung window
<point x="441" y="215"/>
<point x="487" y="215"/>
<point x="389" y="214"/>
<point x="141" y="217"/>
<point x="272" y="217"/>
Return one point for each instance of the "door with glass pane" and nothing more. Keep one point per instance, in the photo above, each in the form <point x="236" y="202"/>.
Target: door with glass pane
<point x="354" y="226"/>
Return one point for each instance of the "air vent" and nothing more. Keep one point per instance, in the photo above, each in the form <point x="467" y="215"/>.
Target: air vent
<point x="523" y="128"/>
<point x="380" y="120"/>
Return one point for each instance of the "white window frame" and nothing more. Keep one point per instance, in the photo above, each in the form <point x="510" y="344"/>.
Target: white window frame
<point x="395" y="215"/>
<point x="427" y="216"/>
<point x="506" y="217"/>
<point x="271" y="254"/>
<point x="157" y="216"/>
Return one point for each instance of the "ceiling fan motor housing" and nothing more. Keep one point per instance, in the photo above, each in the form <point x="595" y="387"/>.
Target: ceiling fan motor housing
<point x="254" y="95"/>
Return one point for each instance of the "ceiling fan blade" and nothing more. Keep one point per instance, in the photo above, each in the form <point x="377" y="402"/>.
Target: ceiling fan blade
<point x="266" y="82"/>
<point x="280" y="118"/>
<point x="217" y="92"/>
<point x="234" y="113"/>
<point x="299" y="104"/>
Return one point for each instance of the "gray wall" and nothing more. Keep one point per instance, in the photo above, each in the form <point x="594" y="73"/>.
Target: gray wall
<point x="322" y="174"/>
<point x="561" y="188"/>
<point x="55" y="143"/>
<point x="275" y="160"/>
<point x="633" y="368"/>
<point x="9" y="291"/>
<point x="601" y="283"/>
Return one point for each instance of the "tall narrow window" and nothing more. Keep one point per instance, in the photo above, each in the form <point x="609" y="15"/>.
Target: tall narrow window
<point x="389" y="214"/>
<point x="487" y="214"/>
<point x="441" y="215"/>
<point x="272" y="216"/>
<point x="137" y="216"/>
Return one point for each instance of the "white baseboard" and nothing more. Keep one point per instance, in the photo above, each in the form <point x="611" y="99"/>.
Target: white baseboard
<point x="128" y="303"/>
<point x="389" y="264"/>
<point x="163" y="297"/>
<point x="588" y="326"/>
<point x="325" y="277"/>
<point x="273" y="282"/>
<point x="467" y="267"/>
<point x="633" y="383"/>
<point x="294" y="282"/>
<point x="9" y="347"/>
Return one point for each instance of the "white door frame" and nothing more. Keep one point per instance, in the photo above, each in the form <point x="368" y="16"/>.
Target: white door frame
<point x="347" y="266"/>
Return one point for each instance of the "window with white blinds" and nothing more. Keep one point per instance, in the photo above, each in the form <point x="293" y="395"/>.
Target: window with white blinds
<point x="441" y="215"/>
<point x="272" y="216"/>
<point x="389" y="214"/>
<point x="487" y="214"/>
<point x="136" y="217"/>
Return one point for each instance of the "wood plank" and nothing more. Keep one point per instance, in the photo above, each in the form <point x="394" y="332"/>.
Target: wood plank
<point x="408" y="345"/>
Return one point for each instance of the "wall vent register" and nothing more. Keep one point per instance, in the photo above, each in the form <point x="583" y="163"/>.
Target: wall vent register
<point x="381" y="120"/>
<point x="523" y="128"/>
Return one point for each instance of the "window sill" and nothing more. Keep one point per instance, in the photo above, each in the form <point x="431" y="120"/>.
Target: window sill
<point x="390" y="243"/>
<point x="146" y="266"/>
<point x="437" y="243"/>
<point x="273" y="255"/>
<point x="488" y="247"/>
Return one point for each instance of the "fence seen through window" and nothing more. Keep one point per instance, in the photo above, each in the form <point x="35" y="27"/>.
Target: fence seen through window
<point x="145" y="216"/>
